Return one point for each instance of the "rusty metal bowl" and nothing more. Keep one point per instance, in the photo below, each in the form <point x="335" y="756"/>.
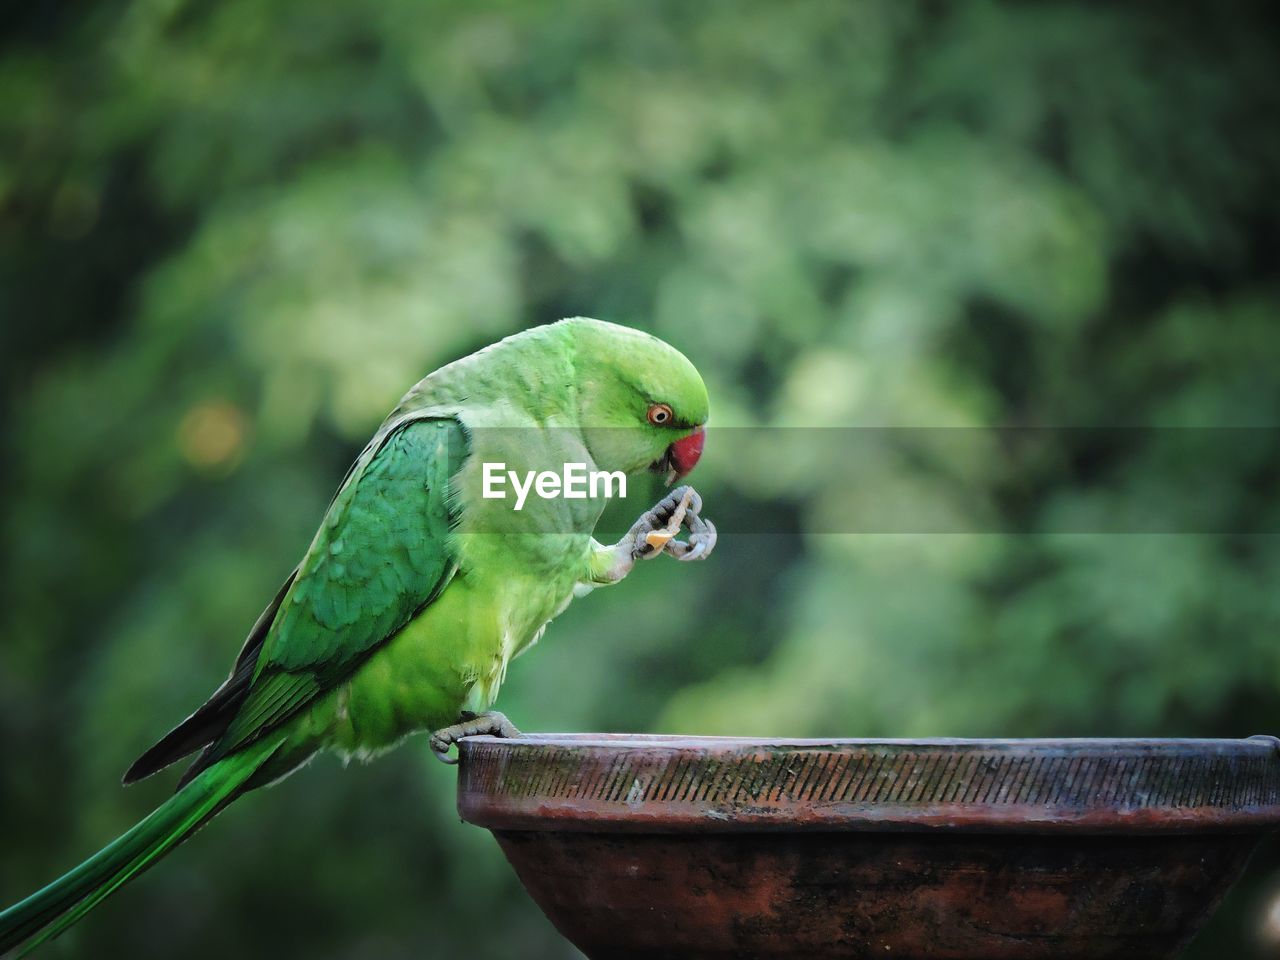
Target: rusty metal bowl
<point x="699" y="847"/>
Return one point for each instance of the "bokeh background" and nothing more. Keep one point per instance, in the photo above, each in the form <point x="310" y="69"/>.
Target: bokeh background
<point x="233" y="234"/>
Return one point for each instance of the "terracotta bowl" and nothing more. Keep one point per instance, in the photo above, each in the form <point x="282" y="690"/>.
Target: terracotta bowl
<point x="666" y="847"/>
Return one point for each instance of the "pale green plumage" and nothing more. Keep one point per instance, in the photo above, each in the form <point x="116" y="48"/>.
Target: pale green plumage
<point x="416" y="592"/>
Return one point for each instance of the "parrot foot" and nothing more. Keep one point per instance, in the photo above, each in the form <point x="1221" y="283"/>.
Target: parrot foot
<point x="655" y="531"/>
<point x="490" y="723"/>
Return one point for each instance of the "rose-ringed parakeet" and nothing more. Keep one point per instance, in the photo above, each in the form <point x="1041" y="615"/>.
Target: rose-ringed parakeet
<point x="417" y="590"/>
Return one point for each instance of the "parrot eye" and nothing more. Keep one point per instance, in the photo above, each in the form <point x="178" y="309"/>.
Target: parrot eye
<point x="660" y="414"/>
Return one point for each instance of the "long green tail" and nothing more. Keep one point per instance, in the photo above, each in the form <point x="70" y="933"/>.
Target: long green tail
<point x="50" y="911"/>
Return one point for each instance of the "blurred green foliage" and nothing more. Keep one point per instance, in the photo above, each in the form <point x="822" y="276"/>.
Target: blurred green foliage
<point x="231" y="235"/>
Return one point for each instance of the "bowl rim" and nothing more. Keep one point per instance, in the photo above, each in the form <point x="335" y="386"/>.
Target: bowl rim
<point x="677" y="740"/>
<point x="613" y="782"/>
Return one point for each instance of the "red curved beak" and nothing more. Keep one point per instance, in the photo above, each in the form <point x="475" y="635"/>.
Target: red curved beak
<point x="684" y="454"/>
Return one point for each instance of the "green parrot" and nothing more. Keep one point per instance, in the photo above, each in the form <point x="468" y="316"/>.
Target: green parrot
<point x="421" y="584"/>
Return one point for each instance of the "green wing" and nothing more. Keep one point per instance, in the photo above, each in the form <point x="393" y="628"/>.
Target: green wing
<point x="380" y="556"/>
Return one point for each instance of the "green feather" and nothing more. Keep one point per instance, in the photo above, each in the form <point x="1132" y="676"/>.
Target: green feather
<point x="322" y="636"/>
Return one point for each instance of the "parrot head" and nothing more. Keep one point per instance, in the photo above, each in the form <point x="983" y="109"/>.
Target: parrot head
<point x="641" y="403"/>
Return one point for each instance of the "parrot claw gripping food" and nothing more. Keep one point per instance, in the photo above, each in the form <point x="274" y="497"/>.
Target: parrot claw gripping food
<point x="654" y="533"/>
<point x="490" y="723"/>
<point x="686" y="512"/>
<point x="656" y="540"/>
<point x="418" y="588"/>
